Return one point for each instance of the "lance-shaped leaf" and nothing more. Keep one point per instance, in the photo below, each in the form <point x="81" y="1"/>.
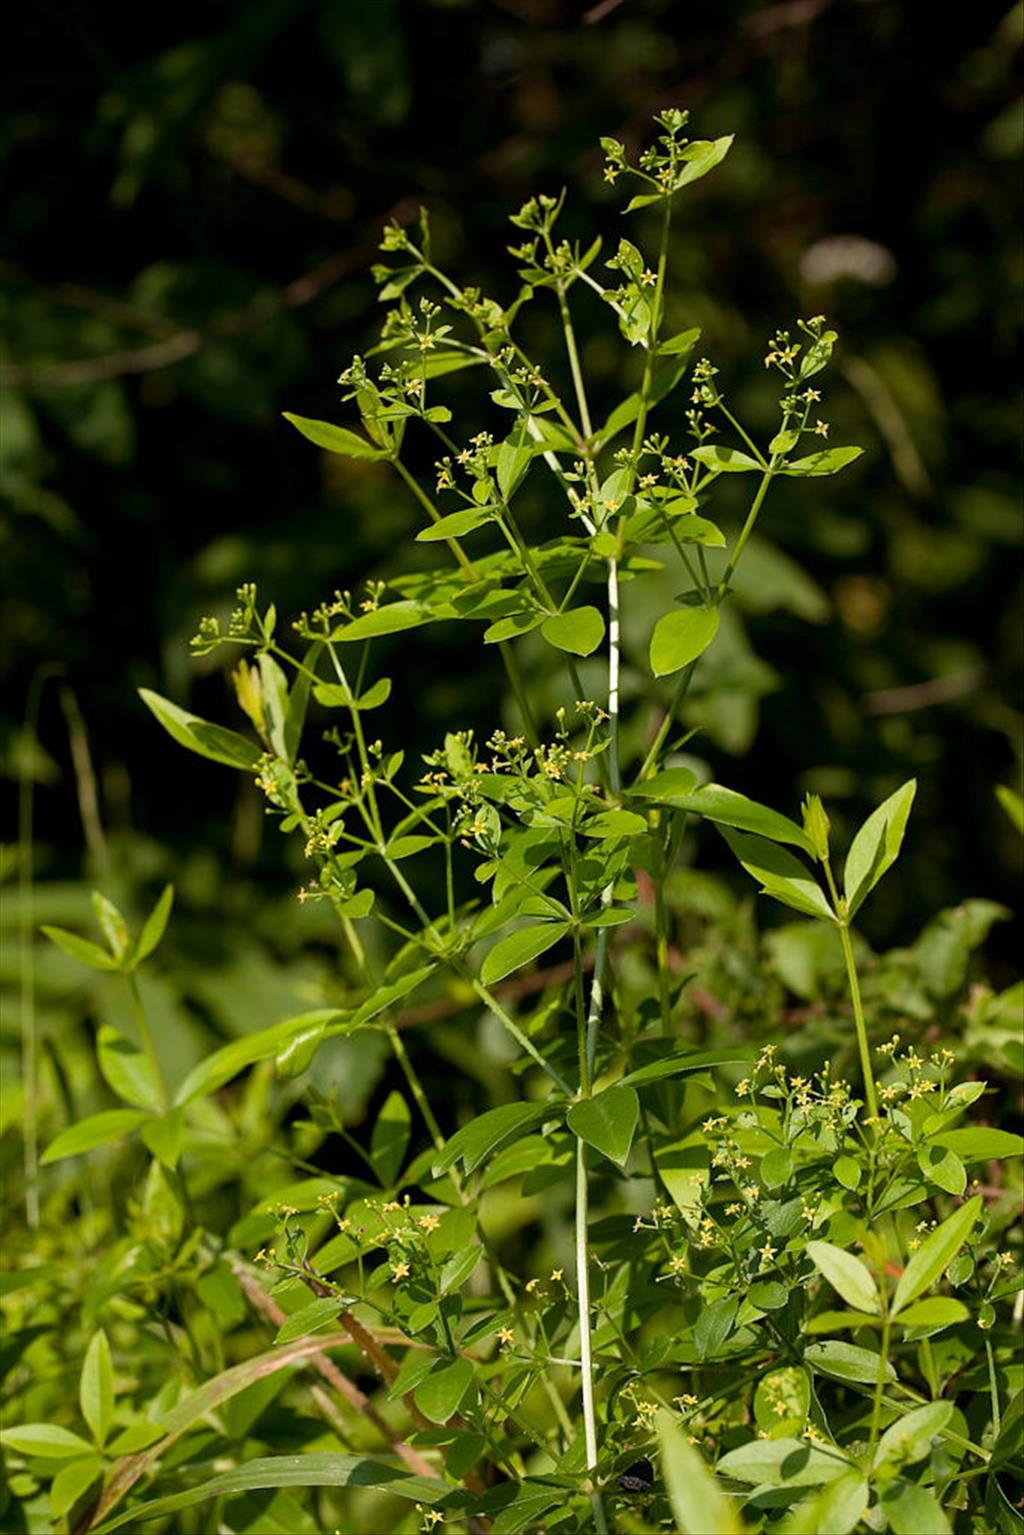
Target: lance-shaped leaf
<point x="198" y="735"/>
<point x="335" y="439"/>
<point x="154" y="926"/>
<point x="519" y="948"/>
<point x="935" y="1254"/>
<point x="829" y="461"/>
<point x="725" y="460"/>
<point x="317" y="1470"/>
<point x="779" y="874"/>
<point x="97" y="1130"/>
<point x="698" y="1503"/>
<point x="846" y="1274"/>
<point x="489" y="1132"/>
<point x="727" y="808"/>
<point x="96" y="1388"/>
<point x="876" y="846"/>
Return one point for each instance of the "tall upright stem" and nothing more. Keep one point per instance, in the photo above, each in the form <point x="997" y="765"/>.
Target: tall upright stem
<point x="148" y="1046"/>
<point x="858" y="1018"/>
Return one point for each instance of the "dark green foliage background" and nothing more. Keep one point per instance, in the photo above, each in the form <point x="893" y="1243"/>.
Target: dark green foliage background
<point x="206" y="182"/>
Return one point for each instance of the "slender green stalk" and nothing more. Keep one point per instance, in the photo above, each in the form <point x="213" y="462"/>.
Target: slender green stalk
<point x="586" y="1357"/>
<point x="993" y="1389"/>
<point x="883" y="1361"/>
<point x="858" y="1018"/>
<point x="748" y="527"/>
<point x="145" y="1034"/>
<point x="456" y="548"/>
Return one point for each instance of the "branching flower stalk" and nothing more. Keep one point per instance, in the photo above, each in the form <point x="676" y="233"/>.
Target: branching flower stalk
<point x="542" y="839"/>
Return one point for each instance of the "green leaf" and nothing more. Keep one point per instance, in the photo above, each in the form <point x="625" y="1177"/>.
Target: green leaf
<point x="317" y="1470"/>
<point x="913" y="1510"/>
<point x="376" y="695"/>
<point x="666" y="377"/>
<point x="845" y="1361"/>
<point x="699" y="1505"/>
<point x="513" y="459"/>
<point x="393" y="618"/>
<point x="82" y="949"/>
<point x="154" y="926"/>
<point x="680" y="1062"/>
<point x="71" y="1482"/>
<point x="846" y="1274"/>
<point x="980" y="1143"/>
<point x="579" y="630"/>
<point x="390" y="1139"/>
<point x="669" y="787"/>
<point x="519" y="1507"/>
<point x="607" y="1121"/>
<point x="97" y="1130"/>
<point x="836" y="1510"/>
<point x="96" y="1388"/>
<point x="45" y="1440"/>
<point x="310" y="1318"/>
<point x="455" y="525"/>
<point x="727" y="808"/>
<point x="935" y="1254"/>
<point x="614" y="823"/>
<point x="942" y="1167"/>
<point x="783" y="1463"/>
<point x="1013" y="805"/>
<point x="680" y="637"/>
<point x="847" y="1171"/>
<point x="680" y="344"/>
<point x="126" y="1070"/>
<point x="111" y="923"/>
<point x="229" y="1060"/>
<point x="441" y="1393"/>
<point x="489" y="1132"/>
<point x="829" y="461"/>
<point x="726" y="460"/>
<point x="876" y="846"/>
<point x="197" y="735"/>
<point x="164" y="1136"/>
<point x="782" y="1399"/>
<point x="703" y="155"/>
<point x="336" y="439"/>
<point x="519" y="949"/>
<point x="910" y="1437"/>
<point x="713" y="1326"/>
<point x="937" y="1311"/>
<point x="779" y="874"/>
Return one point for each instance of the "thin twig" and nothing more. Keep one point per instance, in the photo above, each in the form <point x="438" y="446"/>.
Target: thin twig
<point x="333" y="1376"/>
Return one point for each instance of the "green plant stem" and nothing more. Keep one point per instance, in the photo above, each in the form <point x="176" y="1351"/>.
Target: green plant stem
<point x="394" y="1037"/>
<point x="142" y="1023"/>
<point x="682" y="688"/>
<point x="883" y="1360"/>
<point x="456" y="549"/>
<point x="586" y="1357"/>
<point x="574" y="365"/>
<point x="748" y="526"/>
<point x="661" y="940"/>
<point x="993" y="1389"/>
<point x="858" y="1018"/>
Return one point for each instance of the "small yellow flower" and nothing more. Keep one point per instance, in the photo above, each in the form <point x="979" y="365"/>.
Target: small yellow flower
<point x="767" y="1252"/>
<point x="400" y="1270"/>
<point x="556" y="1276"/>
<point x="429" y="1222"/>
<point x="505" y="1335"/>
